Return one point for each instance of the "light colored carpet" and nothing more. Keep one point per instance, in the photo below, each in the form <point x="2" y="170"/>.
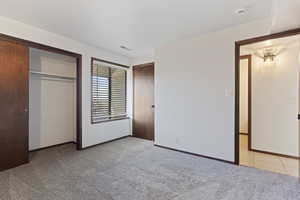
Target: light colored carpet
<point x="133" y="169"/>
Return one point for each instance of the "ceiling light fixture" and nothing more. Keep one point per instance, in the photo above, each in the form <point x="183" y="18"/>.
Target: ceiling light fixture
<point x="269" y="57"/>
<point x="268" y="54"/>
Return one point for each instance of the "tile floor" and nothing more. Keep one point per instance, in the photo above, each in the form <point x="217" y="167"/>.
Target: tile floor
<point x="267" y="162"/>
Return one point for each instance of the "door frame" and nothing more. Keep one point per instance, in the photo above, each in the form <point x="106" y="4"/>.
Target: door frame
<point x="133" y="85"/>
<point x="249" y="58"/>
<point x="238" y="45"/>
<point x="31" y="44"/>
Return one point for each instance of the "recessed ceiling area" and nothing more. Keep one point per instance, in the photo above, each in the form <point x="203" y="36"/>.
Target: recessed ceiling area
<point x="139" y="25"/>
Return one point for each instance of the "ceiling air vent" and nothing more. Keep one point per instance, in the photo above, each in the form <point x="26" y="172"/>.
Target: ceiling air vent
<point x="125" y="48"/>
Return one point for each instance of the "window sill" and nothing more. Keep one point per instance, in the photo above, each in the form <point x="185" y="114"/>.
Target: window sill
<point x="110" y="120"/>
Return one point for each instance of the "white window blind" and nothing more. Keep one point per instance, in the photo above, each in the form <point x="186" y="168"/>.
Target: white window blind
<point x="108" y="93"/>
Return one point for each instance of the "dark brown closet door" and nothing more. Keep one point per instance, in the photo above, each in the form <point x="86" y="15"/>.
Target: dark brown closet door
<point x="14" y="67"/>
<point x="143" y="115"/>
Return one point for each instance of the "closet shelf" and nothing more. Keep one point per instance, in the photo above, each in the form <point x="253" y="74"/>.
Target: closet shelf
<point x="53" y="75"/>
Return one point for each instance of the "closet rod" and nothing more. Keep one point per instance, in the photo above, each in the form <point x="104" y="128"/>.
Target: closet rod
<point x="52" y="75"/>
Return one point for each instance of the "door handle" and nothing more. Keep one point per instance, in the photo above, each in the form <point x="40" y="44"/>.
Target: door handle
<point x="153" y="106"/>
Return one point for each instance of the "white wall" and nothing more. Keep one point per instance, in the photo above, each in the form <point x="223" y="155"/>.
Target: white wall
<point x="286" y="15"/>
<point x="244" y="95"/>
<point x="92" y="134"/>
<point x="52" y="102"/>
<point x="194" y="84"/>
<point x="275" y="103"/>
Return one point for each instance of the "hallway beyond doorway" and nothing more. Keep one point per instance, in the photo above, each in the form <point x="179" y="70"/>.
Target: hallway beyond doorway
<point x="268" y="162"/>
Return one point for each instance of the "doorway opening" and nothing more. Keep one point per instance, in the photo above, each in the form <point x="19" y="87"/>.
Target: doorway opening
<point x="245" y="101"/>
<point x="143" y="101"/>
<point x="267" y="103"/>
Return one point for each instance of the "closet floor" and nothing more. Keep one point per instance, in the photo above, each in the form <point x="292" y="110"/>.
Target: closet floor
<point x="268" y="162"/>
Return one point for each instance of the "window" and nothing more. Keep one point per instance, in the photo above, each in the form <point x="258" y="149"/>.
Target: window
<point x="108" y="91"/>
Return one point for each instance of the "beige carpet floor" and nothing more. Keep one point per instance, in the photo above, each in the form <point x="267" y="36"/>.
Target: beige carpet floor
<point x="133" y="169"/>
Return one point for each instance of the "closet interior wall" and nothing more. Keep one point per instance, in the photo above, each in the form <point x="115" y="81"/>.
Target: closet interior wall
<point x="52" y="99"/>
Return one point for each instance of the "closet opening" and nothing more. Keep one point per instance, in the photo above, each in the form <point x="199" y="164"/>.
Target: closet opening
<point x="41" y="99"/>
<point x="52" y="99"/>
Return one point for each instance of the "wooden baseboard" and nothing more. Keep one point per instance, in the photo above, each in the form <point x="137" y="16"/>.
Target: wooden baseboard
<point x="84" y="148"/>
<point x="194" y="154"/>
<point x="52" y="146"/>
<point x="275" y="154"/>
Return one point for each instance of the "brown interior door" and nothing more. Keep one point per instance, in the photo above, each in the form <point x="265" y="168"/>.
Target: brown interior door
<point x="143" y="114"/>
<point x="14" y="67"/>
